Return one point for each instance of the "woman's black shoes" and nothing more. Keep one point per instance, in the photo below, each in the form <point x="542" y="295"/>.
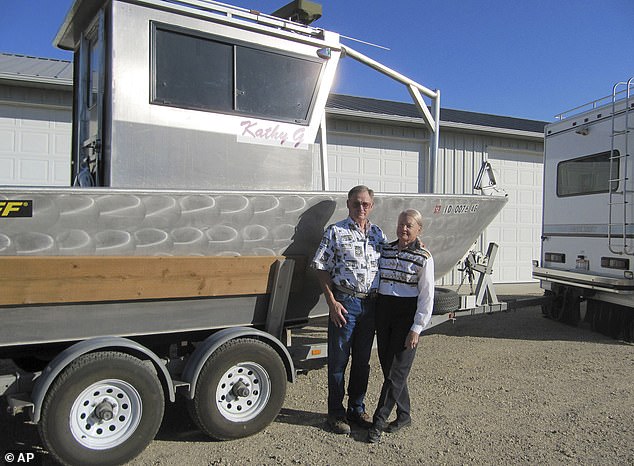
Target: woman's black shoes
<point x="374" y="432"/>
<point x="397" y="425"/>
<point x="374" y="435"/>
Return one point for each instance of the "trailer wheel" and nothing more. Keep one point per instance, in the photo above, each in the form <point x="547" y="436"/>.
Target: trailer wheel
<point x="445" y="301"/>
<point x="240" y="390"/>
<point x="103" y="409"/>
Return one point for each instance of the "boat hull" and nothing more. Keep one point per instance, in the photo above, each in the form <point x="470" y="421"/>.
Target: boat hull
<point x="114" y="222"/>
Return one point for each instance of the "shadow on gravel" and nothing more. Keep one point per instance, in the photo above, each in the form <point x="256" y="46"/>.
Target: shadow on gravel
<point x="317" y="420"/>
<point x="302" y="418"/>
<point x="17" y="434"/>
<point x="522" y="324"/>
<point x="177" y="425"/>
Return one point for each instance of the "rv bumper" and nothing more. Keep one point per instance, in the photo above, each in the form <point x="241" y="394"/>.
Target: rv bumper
<point x="585" y="280"/>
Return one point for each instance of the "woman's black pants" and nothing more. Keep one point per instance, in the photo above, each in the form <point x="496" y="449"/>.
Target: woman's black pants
<point x="394" y="318"/>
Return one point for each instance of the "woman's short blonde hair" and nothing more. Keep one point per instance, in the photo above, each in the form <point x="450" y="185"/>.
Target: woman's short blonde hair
<point x="413" y="213"/>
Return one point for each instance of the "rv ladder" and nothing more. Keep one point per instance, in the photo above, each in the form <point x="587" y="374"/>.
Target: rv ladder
<point x="618" y="222"/>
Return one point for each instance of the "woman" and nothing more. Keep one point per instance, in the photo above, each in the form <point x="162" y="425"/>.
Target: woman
<point x="404" y="308"/>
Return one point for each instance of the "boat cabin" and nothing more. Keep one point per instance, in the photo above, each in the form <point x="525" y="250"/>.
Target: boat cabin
<point x="196" y="95"/>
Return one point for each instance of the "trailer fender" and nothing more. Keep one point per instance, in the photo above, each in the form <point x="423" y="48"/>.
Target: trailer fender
<point x="212" y="343"/>
<point x="63" y="359"/>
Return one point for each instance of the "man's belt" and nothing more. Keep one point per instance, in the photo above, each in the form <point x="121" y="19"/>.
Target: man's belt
<point x="356" y="294"/>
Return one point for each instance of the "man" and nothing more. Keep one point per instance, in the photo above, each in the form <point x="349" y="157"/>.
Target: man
<point x="347" y="268"/>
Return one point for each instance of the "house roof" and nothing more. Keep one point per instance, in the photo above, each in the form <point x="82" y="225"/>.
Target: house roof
<point x="45" y="71"/>
<point x="54" y="72"/>
<point x="363" y="105"/>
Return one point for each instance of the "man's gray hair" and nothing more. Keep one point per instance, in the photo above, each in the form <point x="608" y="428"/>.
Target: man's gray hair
<point x="360" y="189"/>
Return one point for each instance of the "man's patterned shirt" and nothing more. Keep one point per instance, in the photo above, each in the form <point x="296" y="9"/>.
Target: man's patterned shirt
<point x="350" y="255"/>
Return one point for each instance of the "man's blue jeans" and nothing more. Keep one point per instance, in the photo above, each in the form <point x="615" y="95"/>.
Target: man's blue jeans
<point x="355" y="338"/>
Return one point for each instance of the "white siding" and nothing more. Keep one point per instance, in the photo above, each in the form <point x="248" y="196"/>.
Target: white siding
<point x="517" y="229"/>
<point x="34" y="146"/>
<point x="460" y="155"/>
<point x="384" y="157"/>
<point x="386" y="165"/>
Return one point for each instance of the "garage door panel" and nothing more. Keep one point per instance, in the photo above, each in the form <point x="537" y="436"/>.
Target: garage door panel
<point x="7" y="142"/>
<point x="61" y="172"/>
<point x="62" y="146"/>
<point x="526" y="178"/>
<point x="509" y="216"/>
<point x="517" y="229"/>
<point x="33" y="170"/>
<point x="526" y="216"/>
<point x="34" y="145"/>
<point x="349" y="165"/>
<point x="391" y="186"/>
<point x="371" y="167"/>
<point x="375" y="151"/>
<point x="7" y="170"/>
<point x="393" y="168"/>
<point x="384" y="164"/>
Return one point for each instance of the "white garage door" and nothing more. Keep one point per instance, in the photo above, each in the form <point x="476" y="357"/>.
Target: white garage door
<point x="383" y="164"/>
<point x="517" y="229"/>
<point x="34" y="146"/>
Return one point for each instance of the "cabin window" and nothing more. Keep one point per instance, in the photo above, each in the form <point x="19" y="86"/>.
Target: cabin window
<point x="587" y="175"/>
<point x="94" y="71"/>
<point x="191" y="72"/>
<point x="203" y="73"/>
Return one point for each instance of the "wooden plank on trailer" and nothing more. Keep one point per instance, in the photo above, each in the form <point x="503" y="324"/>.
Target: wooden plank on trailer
<point x="63" y="279"/>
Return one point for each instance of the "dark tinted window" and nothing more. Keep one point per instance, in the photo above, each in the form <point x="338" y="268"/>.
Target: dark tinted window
<point x="273" y="85"/>
<point x="192" y="72"/>
<point x="198" y="72"/>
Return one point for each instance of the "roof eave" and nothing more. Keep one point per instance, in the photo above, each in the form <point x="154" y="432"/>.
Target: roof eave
<point x="480" y="129"/>
<point x="36" y="81"/>
<point x="492" y="130"/>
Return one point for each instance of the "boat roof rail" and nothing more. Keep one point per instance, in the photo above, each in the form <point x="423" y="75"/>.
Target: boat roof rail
<point x="68" y="34"/>
<point x="231" y="11"/>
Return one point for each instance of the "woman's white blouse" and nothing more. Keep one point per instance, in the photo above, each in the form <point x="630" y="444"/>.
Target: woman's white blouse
<point x="409" y="273"/>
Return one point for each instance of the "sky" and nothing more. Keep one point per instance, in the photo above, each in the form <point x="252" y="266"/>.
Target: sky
<point x="527" y="59"/>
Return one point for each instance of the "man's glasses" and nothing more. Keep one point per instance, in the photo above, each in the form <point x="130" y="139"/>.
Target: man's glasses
<point x="357" y="204"/>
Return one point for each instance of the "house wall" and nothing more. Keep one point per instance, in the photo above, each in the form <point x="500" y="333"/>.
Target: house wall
<point x="518" y="164"/>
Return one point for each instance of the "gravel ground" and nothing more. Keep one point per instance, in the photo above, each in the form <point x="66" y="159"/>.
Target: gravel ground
<point x="506" y="388"/>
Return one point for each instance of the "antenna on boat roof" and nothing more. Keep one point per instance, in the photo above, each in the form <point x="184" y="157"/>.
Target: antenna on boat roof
<point x="306" y="12"/>
<point x="364" y="42"/>
<point x="299" y="11"/>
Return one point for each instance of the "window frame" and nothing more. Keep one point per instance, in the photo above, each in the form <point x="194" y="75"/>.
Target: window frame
<point x="156" y="27"/>
<point x="611" y="159"/>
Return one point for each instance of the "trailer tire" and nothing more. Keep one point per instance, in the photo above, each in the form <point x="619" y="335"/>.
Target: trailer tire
<point x="445" y="301"/>
<point x="103" y="409"/>
<point x="240" y="390"/>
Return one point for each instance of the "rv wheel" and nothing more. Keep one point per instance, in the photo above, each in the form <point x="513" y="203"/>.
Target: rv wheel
<point x="103" y="409"/>
<point x="445" y="301"/>
<point x="240" y="390"/>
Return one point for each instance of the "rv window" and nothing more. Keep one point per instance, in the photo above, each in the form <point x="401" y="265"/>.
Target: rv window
<point x="587" y="175"/>
<point x="197" y="72"/>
